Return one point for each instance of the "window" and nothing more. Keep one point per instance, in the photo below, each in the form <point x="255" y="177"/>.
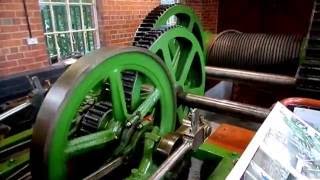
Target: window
<point x="169" y="1"/>
<point x="70" y="26"/>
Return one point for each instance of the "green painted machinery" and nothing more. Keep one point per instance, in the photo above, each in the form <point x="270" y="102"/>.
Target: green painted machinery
<point x="119" y="103"/>
<point x="129" y="113"/>
<point x="114" y="113"/>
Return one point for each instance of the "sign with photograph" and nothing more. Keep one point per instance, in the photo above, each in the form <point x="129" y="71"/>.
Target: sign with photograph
<point x="284" y="148"/>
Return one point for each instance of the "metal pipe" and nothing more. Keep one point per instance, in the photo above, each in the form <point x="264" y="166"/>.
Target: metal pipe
<point x="249" y="77"/>
<point x="27" y="18"/>
<point x="103" y="171"/>
<point x="172" y="160"/>
<point x="224" y="106"/>
<point x="14" y="110"/>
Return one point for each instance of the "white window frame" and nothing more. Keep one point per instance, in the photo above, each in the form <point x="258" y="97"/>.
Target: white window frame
<point x="70" y="31"/>
<point x="170" y="1"/>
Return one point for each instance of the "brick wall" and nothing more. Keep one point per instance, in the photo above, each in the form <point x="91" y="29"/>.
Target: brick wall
<point x="15" y="54"/>
<point x="210" y="14"/>
<point x="196" y="5"/>
<point x="207" y="10"/>
<point x="119" y="19"/>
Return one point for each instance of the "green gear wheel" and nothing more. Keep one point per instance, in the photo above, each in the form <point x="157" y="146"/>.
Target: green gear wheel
<point x="182" y="54"/>
<point x="159" y="17"/>
<point x="51" y="144"/>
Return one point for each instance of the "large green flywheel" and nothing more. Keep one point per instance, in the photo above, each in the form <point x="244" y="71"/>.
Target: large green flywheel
<point x="182" y="54"/>
<point x="80" y="96"/>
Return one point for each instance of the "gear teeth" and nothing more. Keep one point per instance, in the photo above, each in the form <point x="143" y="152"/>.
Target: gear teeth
<point x="91" y="120"/>
<point x="106" y="104"/>
<point x="101" y="107"/>
<point x="96" y="112"/>
<point x="91" y="117"/>
<point x="144" y="42"/>
<point x="145" y="28"/>
<point x="149" y="21"/>
<point x="128" y="79"/>
<point x="147" y="25"/>
<point x="144" y="37"/>
<point x="150" y="37"/>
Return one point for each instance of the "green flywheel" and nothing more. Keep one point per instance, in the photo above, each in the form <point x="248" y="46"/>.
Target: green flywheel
<point x="181" y="52"/>
<point x="52" y="145"/>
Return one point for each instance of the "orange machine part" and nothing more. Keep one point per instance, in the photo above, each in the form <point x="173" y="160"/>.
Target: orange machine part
<point x="297" y="101"/>
<point x="230" y="137"/>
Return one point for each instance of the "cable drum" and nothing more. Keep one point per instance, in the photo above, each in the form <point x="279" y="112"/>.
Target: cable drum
<point x="251" y="51"/>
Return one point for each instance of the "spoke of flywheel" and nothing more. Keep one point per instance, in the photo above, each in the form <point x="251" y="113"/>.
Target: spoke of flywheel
<point x="187" y="66"/>
<point x="120" y="111"/>
<point x="194" y="90"/>
<point x="149" y="103"/>
<point x="89" y="142"/>
<point x="191" y="24"/>
<point x="166" y="55"/>
<point x="175" y="59"/>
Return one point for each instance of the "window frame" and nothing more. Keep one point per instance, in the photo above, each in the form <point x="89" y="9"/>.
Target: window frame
<point x="170" y="1"/>
<point x="70" y="31"/>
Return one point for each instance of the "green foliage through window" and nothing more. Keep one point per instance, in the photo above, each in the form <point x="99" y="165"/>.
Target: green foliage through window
<point x="78" y="42"/>
<point x="76" y="17"/>
<point x="51" y="45"/>
<point x="60" y="14"/>
<point x="87" y="15"/>
<point x="46" y="18"/>
<point x="68" y="26"/>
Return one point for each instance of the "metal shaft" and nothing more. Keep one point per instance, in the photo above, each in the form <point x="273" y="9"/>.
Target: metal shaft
<point x="14" y="110"/>
<point x="172" y="160"/>
<point x="224" y="106"/>
<point x="103" y="171"/>
<point x="249" y="77"/>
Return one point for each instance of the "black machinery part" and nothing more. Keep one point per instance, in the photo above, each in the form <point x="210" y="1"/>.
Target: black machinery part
<point x="308" y="75"/>
<point x="151" y="36"/>
<point x="149" y="21"/>
<point x="259" y="52"/>
<point x="18" y="85"/>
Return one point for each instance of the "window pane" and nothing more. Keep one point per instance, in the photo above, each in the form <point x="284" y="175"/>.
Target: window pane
<point x="75" y="13"/>
<point x="46" y="18"/>
<point x="81" y="16"/>
<point x="86" y="1"/>
<point x="87" y="16"/>
<point x="90" y="41"/>
<point x="78" y="42"/>
<point x="64" y="45"/>
<point x="60" y="15"/>
<point x="51" y="46"/>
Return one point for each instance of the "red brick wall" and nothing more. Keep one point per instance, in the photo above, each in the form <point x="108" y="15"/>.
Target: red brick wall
<point x="119" y="19"/>
<point x="15" y="54"/>
<point x="207" y="10"/>
<point x="210" y="15"/>
<point x="196" y="5"/>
